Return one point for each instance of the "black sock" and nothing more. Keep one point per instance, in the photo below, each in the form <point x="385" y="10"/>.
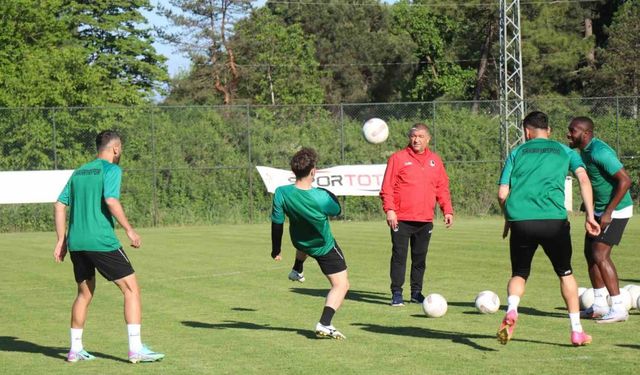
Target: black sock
<point x="327" y="315"/>
<point x="297" y="266"/>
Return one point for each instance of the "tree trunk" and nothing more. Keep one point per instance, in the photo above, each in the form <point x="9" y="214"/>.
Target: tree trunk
<point x="482" y="67"/>
<point x="588" y="33"/>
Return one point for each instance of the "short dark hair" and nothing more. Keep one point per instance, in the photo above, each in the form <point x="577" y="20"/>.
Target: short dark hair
<point x="537" y="120"/>
<point x="583" y="120"/>
<point x="303" y="162"/>
<point x="105" y="137"/>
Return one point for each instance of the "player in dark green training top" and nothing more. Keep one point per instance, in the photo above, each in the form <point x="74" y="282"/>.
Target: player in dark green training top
<point x="308" y="209"/>
<point x="531" y="194"/>
<point x="93" y="196"/>
<point x="613" y="208"/>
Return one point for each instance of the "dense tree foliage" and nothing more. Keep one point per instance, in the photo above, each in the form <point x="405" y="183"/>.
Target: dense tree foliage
<point x="76" y="53"/>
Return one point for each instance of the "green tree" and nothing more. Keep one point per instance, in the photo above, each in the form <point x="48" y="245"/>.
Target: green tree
<point x="74" y="53"/>
<point x="438" y="74"/>
<point x="360" y="58"/>
<point x="278" y="61"/>
<point x="205" y="30"/>
<point x="619" y="72"/>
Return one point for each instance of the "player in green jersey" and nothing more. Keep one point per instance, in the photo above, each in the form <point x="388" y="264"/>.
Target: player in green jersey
<point x="93" y="196"/>
<point x="613" y="208"/>
<point x="531" y="194"/>
<point x="308" y="209"/>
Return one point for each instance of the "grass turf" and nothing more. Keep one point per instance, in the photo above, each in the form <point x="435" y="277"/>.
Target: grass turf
<point x="215" y="302"/>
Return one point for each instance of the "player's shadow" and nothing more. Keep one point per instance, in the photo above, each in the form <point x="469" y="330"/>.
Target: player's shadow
<point x="14" y="344"/>
<point x="352" y="295"/>
<point x="455" y="337"/>
<point x="630" y="280"/>
<point x="231" y="324"/>
<point x="245" y="309"/>
<point x="521" y="309"/>
<point x="630" y="346"/>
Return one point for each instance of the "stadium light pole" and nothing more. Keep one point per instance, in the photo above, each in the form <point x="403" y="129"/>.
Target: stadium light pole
<point x="511" y="95"/>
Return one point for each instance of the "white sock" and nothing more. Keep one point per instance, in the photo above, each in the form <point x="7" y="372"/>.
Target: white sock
<point x="575" y="322"/>
<point x="76" y="340"/>
<point x="600" y="297"/>
<point x="135" y="339"/>
<point x="512" y="303"/>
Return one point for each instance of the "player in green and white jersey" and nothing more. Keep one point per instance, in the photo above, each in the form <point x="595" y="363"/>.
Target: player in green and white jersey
<point x="93" y="195"/>
<point x="613" y="208"/>
<point x="531" y="194"/>
<point x="308" y="209"/>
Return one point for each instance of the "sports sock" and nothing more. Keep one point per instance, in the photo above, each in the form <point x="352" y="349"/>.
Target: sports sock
<point x="600" y="297"/>
<point x="298" y="265"/>
<point x="512" y="303"/>
<point x="327" y="315"/>
<point x="135" y="340"/>
<point x="76" y="340"/>
<point x="574" y="318"/>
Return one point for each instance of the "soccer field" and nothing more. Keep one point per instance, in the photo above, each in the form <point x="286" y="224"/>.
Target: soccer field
<point x="216" y="303"/>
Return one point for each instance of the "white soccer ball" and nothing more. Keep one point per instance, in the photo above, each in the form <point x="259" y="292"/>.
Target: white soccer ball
<point x="434" y="305"/>
<point x="375" y="130"/>
<point x="634" y="291"/>
<point x="626" y="298"/>
<point x="581" y="290"/>
<point x="638" y="303"/>
<point x="586" y="299"/>
<point x="487" y="302"/>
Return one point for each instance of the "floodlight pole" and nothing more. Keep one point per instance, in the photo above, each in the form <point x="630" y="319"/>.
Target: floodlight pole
<point x="511" y="95"/>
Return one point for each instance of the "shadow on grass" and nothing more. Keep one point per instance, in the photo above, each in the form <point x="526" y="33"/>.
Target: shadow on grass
<point x="231" y="324"/>
<point x="630" y="346"/>
<point x="352" y="295"/>
<point x="630" y="280"/>
<point x="521" y="310"/>
<point x="242" y="309"/>
<point x="14" y="344"/>
<point x="456" y="337"/>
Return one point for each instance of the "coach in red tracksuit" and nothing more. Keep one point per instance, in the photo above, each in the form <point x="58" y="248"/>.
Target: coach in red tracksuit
<point x="415" y="179"/>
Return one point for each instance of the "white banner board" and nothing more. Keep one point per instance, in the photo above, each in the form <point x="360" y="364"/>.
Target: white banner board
<point x="32" y="186"/>
<point x="360" y="180"/>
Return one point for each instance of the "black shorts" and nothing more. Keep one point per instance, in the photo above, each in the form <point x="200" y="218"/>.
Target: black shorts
<point x="332" y="262"/>
<point x="612" y="234"/>
<point x="553" y="235"/>
<point x="113" y="265"/>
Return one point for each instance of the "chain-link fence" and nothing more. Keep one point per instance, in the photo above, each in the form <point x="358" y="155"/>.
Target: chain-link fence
<point x="196" y="165"/>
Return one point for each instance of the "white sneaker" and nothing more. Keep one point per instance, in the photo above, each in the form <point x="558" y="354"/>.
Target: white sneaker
<point x="329" y="332"/>
<point x="614" y="316"/>
<point x="295" y="276"/>
<point x="594" y="312"/>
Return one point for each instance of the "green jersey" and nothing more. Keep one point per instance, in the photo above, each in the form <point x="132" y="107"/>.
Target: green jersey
<point x="535" y="172"/>
<point x="90" y="222"/>
<point x="602" y="163"/>
<point x="308" y="212"/>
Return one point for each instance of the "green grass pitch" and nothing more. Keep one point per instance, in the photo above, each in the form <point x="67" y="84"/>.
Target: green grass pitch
<point x="216" y="303"/>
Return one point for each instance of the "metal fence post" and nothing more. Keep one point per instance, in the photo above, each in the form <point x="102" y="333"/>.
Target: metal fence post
<point x="156" y="214"/>
<point x="250" y="168"/>
<point x="53" y="139"/>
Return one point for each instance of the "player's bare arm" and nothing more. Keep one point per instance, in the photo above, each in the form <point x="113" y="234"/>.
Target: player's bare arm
<point x="118" y="212"/>
<point x="592" y="227"/>
<point x="623" y="183"/>
<point x="503" y="193"/>
<point x="60" y="217"/>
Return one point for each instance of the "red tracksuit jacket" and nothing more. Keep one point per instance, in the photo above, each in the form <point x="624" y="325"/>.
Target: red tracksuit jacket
<point x="413" y="183"/>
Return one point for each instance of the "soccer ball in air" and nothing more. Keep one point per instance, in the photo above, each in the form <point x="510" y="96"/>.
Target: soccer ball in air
<point x="581" y="290"/>
<point x="586" y="299"/>
<point x="375" y="130"/>
<point x="487" y="302"/>
<point x="434" y="305"/>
